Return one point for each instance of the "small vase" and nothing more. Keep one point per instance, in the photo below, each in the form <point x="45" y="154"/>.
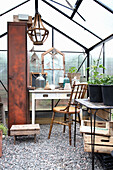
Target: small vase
<point x="47" y="87"/>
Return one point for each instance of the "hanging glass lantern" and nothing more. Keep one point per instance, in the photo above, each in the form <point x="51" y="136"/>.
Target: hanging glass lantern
<point x="37" y="32"/>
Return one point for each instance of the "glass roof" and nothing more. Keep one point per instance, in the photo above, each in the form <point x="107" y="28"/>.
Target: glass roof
<point x="108" y="3"/>
<point x="90" y="24"/>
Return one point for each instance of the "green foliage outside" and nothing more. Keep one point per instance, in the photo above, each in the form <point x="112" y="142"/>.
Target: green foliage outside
<point x="72" y="70"/>
<point x="107" y="80"/>
<point x="4" y="129"/>
<point x="94" y="75"/>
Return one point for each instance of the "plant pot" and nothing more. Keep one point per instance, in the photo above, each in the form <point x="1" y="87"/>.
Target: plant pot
<point x="95" y="93"/>
<point x="0" y="143"/>
<point x="107" y="94"/>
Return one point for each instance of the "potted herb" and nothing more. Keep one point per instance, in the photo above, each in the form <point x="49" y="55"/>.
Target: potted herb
<point x="107" y="89"/>
<point x="94" y="81"/>
<point x="72" y="73"/>
<point x="3" y="131"/>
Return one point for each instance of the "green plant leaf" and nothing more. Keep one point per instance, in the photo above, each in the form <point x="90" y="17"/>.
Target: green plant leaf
<point x="95" y="76"/>
<point x="4" y="129"/>
<point x="72" y="70"/>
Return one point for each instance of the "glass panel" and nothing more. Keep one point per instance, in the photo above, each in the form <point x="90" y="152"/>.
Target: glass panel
<point x="3" y="78"/>
<point x="6" y="5"/>
<point x="62" y="6"/>
<point x="28" y="8"/>
<point x="58" y="61"/>
<point x="107" y="3"/>
<point x="75" y="60"/>
<point x="3" y="43"/>
<point x="49" y="76"/>
<point x="48" y="62"/>
<point x="109" y="57"/>
<point x="63" y="43"/>
<point x="99" y="22"/>
<point x="53" y="61"/>
<point x="53" y="76"/>
<point x="68" y="27"/>
<point x="35" y="63"/>
<point x="96" y="54"/>
<point x="98" y="19"/>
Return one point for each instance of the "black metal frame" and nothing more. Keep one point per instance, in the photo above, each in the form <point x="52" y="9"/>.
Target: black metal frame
<point x="64" y="34"/>
<point x="104" y="6"/>
<point x="90" y="106"/>
<point x="3" y="86"/>
<point x="77" y="5"/>
<point x="14" y="8"/>
<point x="68" y="8"/>
<point x="71" y="19"/>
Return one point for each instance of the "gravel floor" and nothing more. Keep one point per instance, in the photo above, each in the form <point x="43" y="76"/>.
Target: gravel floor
<point x="52" y="154"/>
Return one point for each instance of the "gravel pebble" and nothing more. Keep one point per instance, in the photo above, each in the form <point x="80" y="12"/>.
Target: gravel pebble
<point x="46" y="154"/>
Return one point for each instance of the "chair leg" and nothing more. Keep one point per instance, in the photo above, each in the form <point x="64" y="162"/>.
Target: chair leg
<point x="79" y="118"/>
<point x="51" y="125"/>
<point x="64" y="125"/>
<point x="69" y="124"/>
<point x="69" y="133"/>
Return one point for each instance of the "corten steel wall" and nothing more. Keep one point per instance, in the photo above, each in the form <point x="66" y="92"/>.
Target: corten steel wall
<point x="17" y="74"/>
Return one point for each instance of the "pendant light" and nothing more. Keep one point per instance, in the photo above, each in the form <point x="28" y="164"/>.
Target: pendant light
<point x="37" y="32"/>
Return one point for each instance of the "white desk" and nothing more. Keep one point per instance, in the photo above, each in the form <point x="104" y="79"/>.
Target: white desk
<point x="47" y="94"/>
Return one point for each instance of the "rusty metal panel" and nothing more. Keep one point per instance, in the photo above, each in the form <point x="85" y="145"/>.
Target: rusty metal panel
<point x="17" y="74"/>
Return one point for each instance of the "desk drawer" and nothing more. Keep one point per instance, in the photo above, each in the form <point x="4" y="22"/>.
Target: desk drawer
<point x="52" y="96"/>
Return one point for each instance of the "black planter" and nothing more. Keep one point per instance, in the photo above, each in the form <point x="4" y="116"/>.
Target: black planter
<point x="95" y="93"/>
<point x="107" y="94"/>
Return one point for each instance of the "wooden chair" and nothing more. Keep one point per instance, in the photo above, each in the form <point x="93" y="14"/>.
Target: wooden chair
<point x="78" y="91"/>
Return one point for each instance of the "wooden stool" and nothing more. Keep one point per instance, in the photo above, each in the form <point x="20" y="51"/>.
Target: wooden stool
<point x="27" y="129"/>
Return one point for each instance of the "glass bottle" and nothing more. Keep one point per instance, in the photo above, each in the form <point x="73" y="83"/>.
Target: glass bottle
<point x="66" y="80"/>
<point x="40" y="82"/>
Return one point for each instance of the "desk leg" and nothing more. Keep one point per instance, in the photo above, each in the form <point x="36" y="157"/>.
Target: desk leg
<point x="33" y="108"/>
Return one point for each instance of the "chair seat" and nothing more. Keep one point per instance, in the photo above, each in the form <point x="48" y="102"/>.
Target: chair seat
<point x="77" y="93"/>
<point x="60" y="109"/>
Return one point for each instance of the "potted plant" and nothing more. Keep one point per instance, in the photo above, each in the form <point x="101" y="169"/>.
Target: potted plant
<point x="3" y="131"/>
<point x="94" y="81"/>
<point x="107" y="89"/>
<point x="72" y="73"/>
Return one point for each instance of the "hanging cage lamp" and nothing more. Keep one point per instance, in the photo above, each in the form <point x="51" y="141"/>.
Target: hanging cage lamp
<point x="37" y="32"/>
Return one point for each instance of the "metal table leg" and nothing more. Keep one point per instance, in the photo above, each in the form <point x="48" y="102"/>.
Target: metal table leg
<point x="93" y="137"/>
<point x="75" y="124"/>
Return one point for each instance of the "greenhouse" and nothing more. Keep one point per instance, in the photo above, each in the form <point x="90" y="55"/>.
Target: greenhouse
<point x="56" y="69"/>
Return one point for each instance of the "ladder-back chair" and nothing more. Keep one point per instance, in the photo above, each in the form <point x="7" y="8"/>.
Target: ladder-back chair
<point x="78" y="92"/>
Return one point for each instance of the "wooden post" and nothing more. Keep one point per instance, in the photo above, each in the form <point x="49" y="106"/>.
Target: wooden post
<point x="17" y="74"/>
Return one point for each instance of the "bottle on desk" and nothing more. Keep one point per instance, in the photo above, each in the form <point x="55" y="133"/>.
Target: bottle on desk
<point x="40" y="82"/>
<point x="66" y="80"/>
